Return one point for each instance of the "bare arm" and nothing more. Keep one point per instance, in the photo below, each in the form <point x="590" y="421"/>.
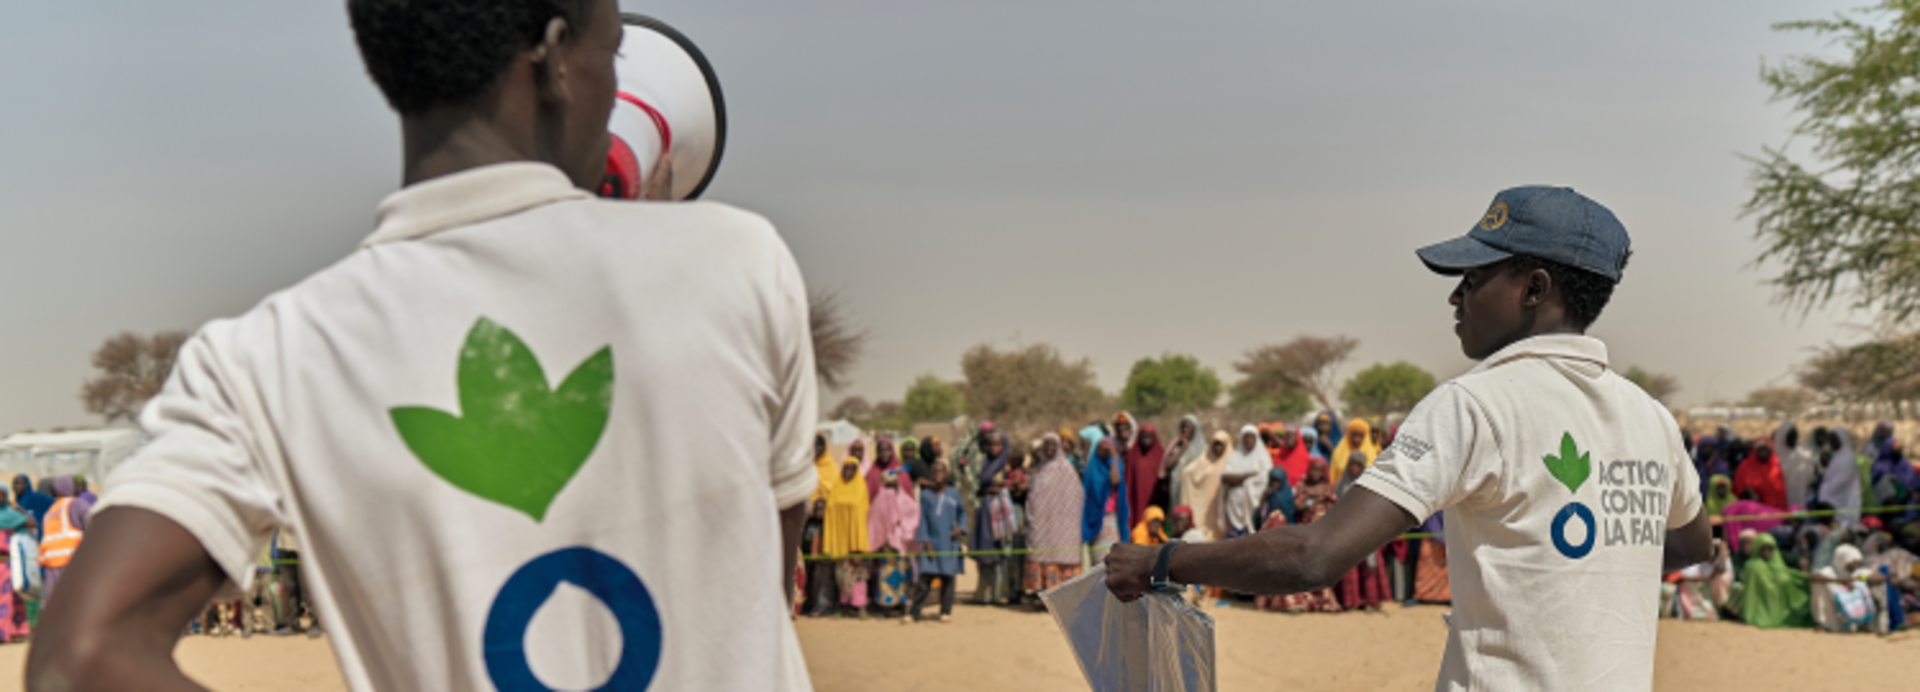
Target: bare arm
<point x="1282" y="560"/>
<point x="1689" y="545"/>
<point x="1233" y="480"/>
<point x="133" y="585"/>
<point x="792" y="520"/>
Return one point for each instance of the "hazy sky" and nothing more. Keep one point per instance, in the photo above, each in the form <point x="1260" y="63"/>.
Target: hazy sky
<point x="1119" y="179"/>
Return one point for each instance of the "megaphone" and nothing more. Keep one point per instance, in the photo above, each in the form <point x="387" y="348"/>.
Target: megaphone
<point x="669" y="122"/>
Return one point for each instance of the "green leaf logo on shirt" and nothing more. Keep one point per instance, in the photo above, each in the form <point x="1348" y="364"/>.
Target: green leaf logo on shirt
<point x="1572" y="466"/>
<point x="515" y="441"/>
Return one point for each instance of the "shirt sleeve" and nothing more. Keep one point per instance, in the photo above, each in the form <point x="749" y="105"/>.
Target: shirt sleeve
<point x="1686" y="503"/>
<point x="202" y="468"/>
<point x="796" y="414"/>
<point x="1444" y="453"/>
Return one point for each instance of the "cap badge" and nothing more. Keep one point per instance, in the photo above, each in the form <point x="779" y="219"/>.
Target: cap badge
<point x="1495" y="218"/>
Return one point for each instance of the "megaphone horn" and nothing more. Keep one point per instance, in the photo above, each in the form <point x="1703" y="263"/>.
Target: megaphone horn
<point x="669" y="124"/>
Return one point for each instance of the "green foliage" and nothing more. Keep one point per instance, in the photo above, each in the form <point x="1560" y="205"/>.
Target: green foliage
<point x="1656" y="385"/>
<point x="515" y="441"/>
<point x="931" y="399"/>
<point x="1383" y="389"/>
<point x="1848" y="224"/>
<point x="1173" y="382"/>
<point x="1030" y="384"/>
<point x="1884" y="370"/>
<point x="1249" y="401"/>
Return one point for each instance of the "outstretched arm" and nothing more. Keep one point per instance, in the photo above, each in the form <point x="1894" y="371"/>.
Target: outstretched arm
<point x="1283" y="560"/>
<point x="132" y="586"/>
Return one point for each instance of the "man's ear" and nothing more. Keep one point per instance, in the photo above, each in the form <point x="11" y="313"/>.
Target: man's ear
<point x="550" y="72"/>
<point x="1539" y="284"/>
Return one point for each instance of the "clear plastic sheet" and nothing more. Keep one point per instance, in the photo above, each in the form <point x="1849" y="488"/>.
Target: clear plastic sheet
<point x="1157" y="643"/>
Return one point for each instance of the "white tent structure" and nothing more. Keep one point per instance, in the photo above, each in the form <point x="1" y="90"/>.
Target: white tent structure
<point x="90" y="453"/>
<point x="840" y="433"/>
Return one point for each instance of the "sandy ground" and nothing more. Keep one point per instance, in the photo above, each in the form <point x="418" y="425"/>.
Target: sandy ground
<point x="1011" y="650"/>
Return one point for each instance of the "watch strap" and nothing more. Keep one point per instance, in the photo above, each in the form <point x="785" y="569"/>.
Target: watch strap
<point x="1164" y="564"/>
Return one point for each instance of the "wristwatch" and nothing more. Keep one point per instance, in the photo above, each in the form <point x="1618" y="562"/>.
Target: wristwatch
<point x="1162" y="565"/>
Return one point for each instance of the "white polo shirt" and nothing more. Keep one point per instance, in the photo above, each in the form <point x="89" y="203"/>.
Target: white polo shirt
<point x="1559" y="479"/>
<point x="528" y="439"/>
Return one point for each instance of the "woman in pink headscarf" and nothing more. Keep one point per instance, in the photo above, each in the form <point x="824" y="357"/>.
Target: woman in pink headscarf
<point x="891" y="522"/>
<point x="884" y="460"/>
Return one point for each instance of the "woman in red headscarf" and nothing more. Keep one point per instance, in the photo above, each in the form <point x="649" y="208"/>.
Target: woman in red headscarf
<point x="1292" y="453"/>
<point x="1761" y="473"/>
<point x="1147" y="482"/>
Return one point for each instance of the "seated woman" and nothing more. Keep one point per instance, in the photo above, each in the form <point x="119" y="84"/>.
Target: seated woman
<point x="1843" y="593"/>
<point x="1700" y="591"/>
<point x="1776" y="595"/>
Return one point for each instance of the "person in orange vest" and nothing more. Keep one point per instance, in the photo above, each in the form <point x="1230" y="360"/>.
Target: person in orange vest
<point x="66" y="524"/>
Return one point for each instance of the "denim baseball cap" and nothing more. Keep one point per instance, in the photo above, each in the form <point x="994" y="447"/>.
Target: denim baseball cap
<point x="1551" y="223"/>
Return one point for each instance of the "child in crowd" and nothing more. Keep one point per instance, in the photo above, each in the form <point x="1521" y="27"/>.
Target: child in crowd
<point x="939" y="537"/>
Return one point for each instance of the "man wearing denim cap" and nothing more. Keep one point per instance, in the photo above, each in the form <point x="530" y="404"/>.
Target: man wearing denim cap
<point x="1566" y="488"/>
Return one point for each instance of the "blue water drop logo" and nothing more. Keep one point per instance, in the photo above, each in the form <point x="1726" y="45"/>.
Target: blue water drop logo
<point x="504" y="639"/>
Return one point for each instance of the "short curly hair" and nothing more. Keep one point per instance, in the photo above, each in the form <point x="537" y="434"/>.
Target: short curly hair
<point x="1585" y="292"/>
<point x="429" y="53"/>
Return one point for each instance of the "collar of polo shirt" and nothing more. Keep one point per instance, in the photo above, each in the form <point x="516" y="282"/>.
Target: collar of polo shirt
<point x="1574" y="346"/>
<point x="469" y="197"/>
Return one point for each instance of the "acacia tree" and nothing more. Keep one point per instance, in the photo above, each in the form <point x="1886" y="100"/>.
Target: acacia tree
<point x="1172" y="381"/>
<point x="1883" y="370"/>
<point x="132" y="370"/>
<point x="1847" y="223"/>
<point x="837" y="342"/>
<point x="1783" y="401"/>
<point x="1305" y="365"/>
<point x="1656" y="385"/>
<point x="1028" y="384"/>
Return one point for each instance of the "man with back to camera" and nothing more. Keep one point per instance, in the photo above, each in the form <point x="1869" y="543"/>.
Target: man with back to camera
<point x="1566" y="489"/>
<point x="509" y="387"/>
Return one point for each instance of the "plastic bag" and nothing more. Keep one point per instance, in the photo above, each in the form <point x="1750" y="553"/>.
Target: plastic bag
<point x="1155" y="644"/>
<point x="24" y="561"/>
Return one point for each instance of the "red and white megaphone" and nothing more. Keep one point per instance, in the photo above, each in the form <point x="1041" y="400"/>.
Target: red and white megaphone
<point x="669" y="123"/>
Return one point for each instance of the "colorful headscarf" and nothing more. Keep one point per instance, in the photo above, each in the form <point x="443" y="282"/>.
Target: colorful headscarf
<point x="1243" y="501"/>
<point x="1055" y="508"/>
<point x="1200" y="487"/>
<point x="1796" y="463"/>
<point x="1762" y="477"/>
<point x="884" y="460"/>
<point x="1325" y="445"/>
<point x="1719" y="495"/>
<point x="844" y="532"/>
<point x="1144" y="533"/>
<point x="895" y="513"/>
<point x="1282" y="499"/>
<point x="1144" y="463"/>
<point x="1310" y="439"/>
<point x="1776" y="595"/>
<point x="829" y="472"/>
<point x="1359" y="436"/>
<point x="1100" y="483"/>
<point x="1840" y="482"/>
<point x="1293" y="458"/>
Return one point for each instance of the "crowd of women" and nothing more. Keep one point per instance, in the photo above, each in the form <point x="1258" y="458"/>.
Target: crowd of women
<point x="1815" y="532"/>
<point x="895" y="522"/>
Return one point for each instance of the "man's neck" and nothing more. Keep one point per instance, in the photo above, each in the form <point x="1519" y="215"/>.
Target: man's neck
<point x="449" y="140"/>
